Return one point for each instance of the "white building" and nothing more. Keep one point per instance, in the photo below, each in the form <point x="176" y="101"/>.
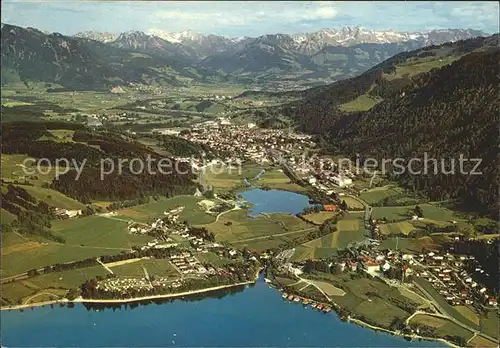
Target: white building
<point x="340" y="180"/>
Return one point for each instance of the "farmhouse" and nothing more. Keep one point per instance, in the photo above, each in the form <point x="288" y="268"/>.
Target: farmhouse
<point x="329" y="207"/>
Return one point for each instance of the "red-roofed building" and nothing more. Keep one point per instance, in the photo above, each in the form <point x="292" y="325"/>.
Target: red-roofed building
<point x="330" y="207"/>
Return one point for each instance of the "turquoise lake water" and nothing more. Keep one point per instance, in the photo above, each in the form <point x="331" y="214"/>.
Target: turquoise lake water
<point x="254" y="317"/>
<point x="275" y="201"/>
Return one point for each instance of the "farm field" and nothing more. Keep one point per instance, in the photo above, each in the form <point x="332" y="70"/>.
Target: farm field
<point x="12" y="169"/>
<point x="59" y="135"/>
<point x="49" y="254"/>
<point x="320" y="217"/>
<point x="47" y="286"/>
<point x="444" y="327"/>
<point x="353" y="203"/>
<point x="263" y="244"/>
<point x="328" y="288"/>
<point x="6" y="217"/>
<point x="54" y="198"/>
<point x="490" y="322"/>
<point x="409" y="244"/>
<point x="214" y="259"/>
<point x="413" y="68"/>
<point x="192" y="213"/>
<point x="430" y="212"/>
<point x="362" y="103"/>
<point x="376" y="194"/>
<point x="349" y="229"/>
<point x="481" y="342"/>
<point x="451" y="311"/>
<point x="468" y="313"/>
<point x="154" y="267"/>
<point x="237" y="226"/>
<point x="276" y="179"/>
<point x="403" y="227"/>
<point x="225" y="177"/>
<point x="97" y="231"/>
<point x="368" y="298"/>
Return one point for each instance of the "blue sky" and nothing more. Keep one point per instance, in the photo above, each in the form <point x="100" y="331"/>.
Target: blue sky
<point x="252" y="18"/>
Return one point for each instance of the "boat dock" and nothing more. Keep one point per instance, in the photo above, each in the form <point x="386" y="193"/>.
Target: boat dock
<point x="325" y="308"/>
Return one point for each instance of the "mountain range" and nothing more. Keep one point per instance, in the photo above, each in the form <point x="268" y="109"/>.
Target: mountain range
<point x="309" y="42"/>
<point x="276" y="61"/>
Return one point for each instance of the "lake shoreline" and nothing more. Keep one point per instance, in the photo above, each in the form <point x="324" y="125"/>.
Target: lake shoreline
<point x="377" y="328"/>
<point x="208" y="290"/>
<point x="133" y="299"/>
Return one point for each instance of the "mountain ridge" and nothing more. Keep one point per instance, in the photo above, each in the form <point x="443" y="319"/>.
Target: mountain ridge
<point x="276" y="61"/>
<point x="448" y="109"/>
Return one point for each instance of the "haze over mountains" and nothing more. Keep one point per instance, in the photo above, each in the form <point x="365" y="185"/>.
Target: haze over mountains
<point x="309" y="42"/>
<point x="275" y="61"/>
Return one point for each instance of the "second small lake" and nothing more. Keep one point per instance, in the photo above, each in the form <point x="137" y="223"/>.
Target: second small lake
<point x="274" y="201"/>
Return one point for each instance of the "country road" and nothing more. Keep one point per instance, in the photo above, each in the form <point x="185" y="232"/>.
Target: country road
<point x="451" y="318"/>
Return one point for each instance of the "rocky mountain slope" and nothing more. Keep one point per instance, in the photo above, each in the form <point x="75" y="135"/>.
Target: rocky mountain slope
<point x="276" y="61"/>
<point x="80" y="63"/>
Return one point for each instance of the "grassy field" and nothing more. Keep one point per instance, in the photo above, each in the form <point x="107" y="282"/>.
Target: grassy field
<point x="49" y="254"/>
<point x="362" y="103"/>
<point x="409" y="244"/>
<point x="224" y="177"/>
<point x="444" y="327"/>
<point x="154" y="267"/>
<point x="192" y="213"/>
<point x="376" y="194"/>
<point x="481" y="342"/>
<point x="468" y="313"/>
<point x="420" y="66"/>
<point x="369" y="298"/>
<point x="276" y="179"/>
<point x="329" y="288"/>
<point x="353" y="203"/>
<point x="320" y="217"/>
<point x="260" y="245"/>
<point x="59" y="135"/>
<point x="214" y="259"/>
<point x="431" y="212"/>
<point x="403" y="227"/>
<point x="97" y="231"/>
<point x="12" y="169"/>
<point x="349" y="229"/>
<point x="451" y="311"/>
<point x="238" y="226"/>
<point x="54" y="198"/>
<point x="48" y="286"/>
<point x="490" y="322"/>
<point x="6" y="217"/>
<point x="85" y="237"/>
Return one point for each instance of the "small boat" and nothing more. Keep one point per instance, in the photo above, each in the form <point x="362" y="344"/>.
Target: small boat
<point x="305" y="301"/>
<point x="285" y="295"/>
<point x="319" y="306"/>
<point x="327" y="309"/>
<point x="296" y="299"/>
<point x="313" y="305"/>
<point x="290" y="297"/>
